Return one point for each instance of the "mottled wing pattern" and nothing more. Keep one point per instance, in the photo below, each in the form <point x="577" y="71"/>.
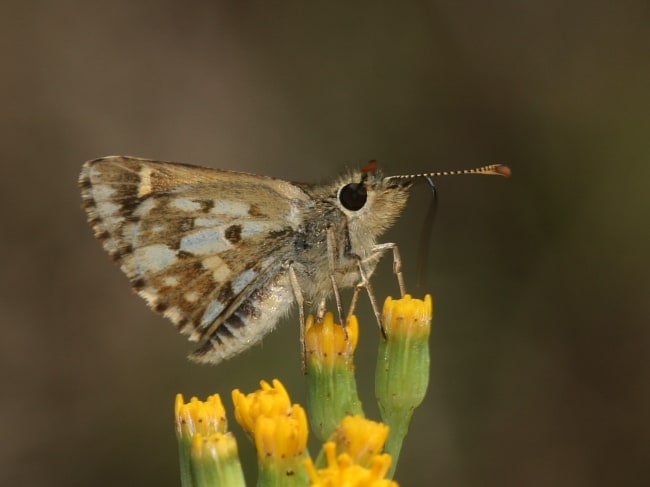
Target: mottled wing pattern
<point x="204" y="247"/>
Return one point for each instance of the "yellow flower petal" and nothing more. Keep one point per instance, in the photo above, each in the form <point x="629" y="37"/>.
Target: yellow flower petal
<point x="360" y="438"/>
<point x="282" y="437"/>
<point x="267" y="401"/>
<point x="328" y="342"/>
<point x="342" y="471"/>
<point x="204" y="417"/>
<point x="408" y="316"/>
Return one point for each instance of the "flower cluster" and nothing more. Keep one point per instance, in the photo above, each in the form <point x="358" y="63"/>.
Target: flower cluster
<point x="356" y="451"/>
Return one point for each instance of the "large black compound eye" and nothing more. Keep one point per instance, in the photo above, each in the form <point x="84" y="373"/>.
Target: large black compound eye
<point x="353" y="196"/>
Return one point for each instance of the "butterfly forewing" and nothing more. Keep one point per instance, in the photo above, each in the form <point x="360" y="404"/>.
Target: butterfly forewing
<point x="194" y="246"/>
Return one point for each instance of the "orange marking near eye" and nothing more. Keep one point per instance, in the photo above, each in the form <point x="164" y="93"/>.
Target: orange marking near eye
<point x="370" y="166"/>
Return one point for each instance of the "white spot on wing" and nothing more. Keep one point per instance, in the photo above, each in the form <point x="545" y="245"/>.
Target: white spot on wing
<point x="149" y="295"/>
<point x="173" y="314"/>
<point x="191" y="297"/>
<point x="207" y="222"/>
<point x="220" y="270"/>
<point x="130" y="232"/>
<point x="102" y="192"/>
<point x="242" y="280"/>
<point x="153" y="258"/>
<point x="211" y="312"/>
<point x="144" y="188"/>
<point x="254" y="228"/>
<point x="158" y="228"/>
<point x="106" y="208"/>
<point x="94" y="174"/>
<point x="294" y="216"/>
<point x="203" y="242"/>
<point x="171" y="281"/>
<point x="233" y="209"/>
<point x="184" y="204"/>
<point x="145" y="207"/>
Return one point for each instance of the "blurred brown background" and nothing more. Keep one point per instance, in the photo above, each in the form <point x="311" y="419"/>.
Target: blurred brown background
<point x="540" y="368"/>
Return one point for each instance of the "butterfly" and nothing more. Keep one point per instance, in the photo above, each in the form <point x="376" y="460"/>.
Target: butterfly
<point x="224" y="255"/>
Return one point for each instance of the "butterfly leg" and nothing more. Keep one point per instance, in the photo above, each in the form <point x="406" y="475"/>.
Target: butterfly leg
<point x="397" y="263"/>
<point x="320" y="310"/>
<point x="297" y="292"/>
<point x="331" y="257"/>
<point x="365" y="282"/>
<point x="353" y="302"/>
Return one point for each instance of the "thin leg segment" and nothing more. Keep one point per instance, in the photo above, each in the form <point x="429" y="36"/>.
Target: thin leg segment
<point x="297" y="292"/>
<point x="397" y="263"/>
<point x="331" y="257"/>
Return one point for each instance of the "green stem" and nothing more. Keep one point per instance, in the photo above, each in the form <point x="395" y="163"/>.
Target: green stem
<point x="399" y="426"/>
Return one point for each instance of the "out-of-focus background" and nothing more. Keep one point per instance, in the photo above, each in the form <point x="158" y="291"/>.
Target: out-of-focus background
<point x="540" y="349"/>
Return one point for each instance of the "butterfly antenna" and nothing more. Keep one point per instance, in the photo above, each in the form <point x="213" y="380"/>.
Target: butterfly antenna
<point x="489" y="170"/>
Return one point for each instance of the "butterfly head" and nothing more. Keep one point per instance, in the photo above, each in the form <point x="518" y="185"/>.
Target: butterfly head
<point x="370" y="201"/>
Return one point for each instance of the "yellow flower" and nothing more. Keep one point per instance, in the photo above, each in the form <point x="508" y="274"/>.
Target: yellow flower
<point x="282" y="437"/>
<point x="360" y="438"/>
<point x="341" y="471"/>
<point x="402" y="373"/>
<point x="332" y="387"/>
<point x="408" y="316"/>
<point x="204" y="417"/>
<point x="208" y="453"/>
<point x="279" y="430"/>
<point x="328" y="342"/>
<point x="268" y="401"/>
